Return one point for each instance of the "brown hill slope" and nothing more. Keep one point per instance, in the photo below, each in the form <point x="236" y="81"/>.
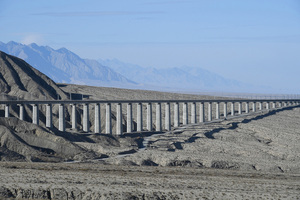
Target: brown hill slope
<point x="19" y="79"/>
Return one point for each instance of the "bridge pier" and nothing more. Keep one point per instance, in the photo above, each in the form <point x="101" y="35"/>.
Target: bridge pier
<point x="209" y="114"/>
<point x="108" y="128"/>
<point x="202" y="115"/>
<point x="119" y="127"/>
<point x="267" y="105"/>
<point x="21" y="111"/>
<point x="225" y="109"/>
<point x="158" y="117"/>
<point x="167" y="117"/>
<point x="49" y="123"/>
<point x="61" y="120"/>
<point x="176" y="114"/>
<point x="35" y="114"/>
<point x="260" y="104"/>
<point x="149" y="116"/>
<point x="274" y="104"/>
<point x="139" y="117"/>
<point x="254" y="106"/>
<point x="185" y="118"/>
<point x="193" y="113"/>
<point x="247" y="107"/>
<point x="129" y="118"/>
<point x="240" y="108"/>
<point x="217" y="111"/>
<point x="86" y="116"/>
<point x="74" y="117"/>
<point x="97" y="121"/>
<point x="6" y="110"/>
<point x="232" y="109"/>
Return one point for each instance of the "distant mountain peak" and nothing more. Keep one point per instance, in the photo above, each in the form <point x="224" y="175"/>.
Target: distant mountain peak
<point x="64" y="50"/>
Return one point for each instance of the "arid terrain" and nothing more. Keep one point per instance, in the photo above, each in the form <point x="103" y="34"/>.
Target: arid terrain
<point x="253" y="156"/>
<point x="250" y="157"/>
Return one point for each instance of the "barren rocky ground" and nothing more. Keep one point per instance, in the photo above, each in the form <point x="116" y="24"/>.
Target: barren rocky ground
<point x="98" y="181"/>
<point x="250" y="157"/>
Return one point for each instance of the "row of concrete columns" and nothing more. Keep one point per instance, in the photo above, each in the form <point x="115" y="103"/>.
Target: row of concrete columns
<point x="139" y="118"/>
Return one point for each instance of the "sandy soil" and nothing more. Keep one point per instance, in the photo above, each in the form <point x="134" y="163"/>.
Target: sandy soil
<point x="96" y="181"/>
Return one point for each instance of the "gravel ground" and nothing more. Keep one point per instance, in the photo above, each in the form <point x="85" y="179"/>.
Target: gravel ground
<point x="250" y="157"/>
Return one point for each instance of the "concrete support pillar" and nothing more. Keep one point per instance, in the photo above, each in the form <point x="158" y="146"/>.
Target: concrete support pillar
<point x="139" y="117"/>
<point x="232" y="108"/>
<point x="108" y="128"/>
<point x="185" y="118"/>
<point x="119" y="127"/>
<point x="284" y="104"/>
<point x="167" y="117"/>
<point x="225" y="109"/>
<point x="35" y="114"/>
<point x="209" y="110"/>
<point x="274" y="104"/>
<point x="49" y="123"/>
<point x="86" y="118"/>
<point x="21" y="111"/>
<point x="61" y="116"/>
<point x="158" y="117"/>
<point x="240" y="108"/>
<point x="280" y="104"/>
<point x="6" y="110"/>
<point x="267" y="105"/>
<point x="246" y="107"/>
<point x="202" y="115"/>
<point x="217" y="111"/>
<point x="149" y="116"/>
<point x="74" y="117"/>
<point x="193" y="113"/>
<point x="260" y="105"/>
<point x="129" y="118"/>
<point x="176" y="114"/>
<point x="254" y="106"/>
<point x="97" y="122"/>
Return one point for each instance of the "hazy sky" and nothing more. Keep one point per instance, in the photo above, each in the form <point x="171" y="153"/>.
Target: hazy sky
<point x="256" y="41"/>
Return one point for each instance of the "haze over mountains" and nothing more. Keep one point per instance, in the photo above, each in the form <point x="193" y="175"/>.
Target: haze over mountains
<point x="64" y="66"/>
<point x="176" y="78"/>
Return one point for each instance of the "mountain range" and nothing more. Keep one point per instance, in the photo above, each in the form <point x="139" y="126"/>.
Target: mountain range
<point x="176" y="78"/>
<point x="64" y="66"/>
